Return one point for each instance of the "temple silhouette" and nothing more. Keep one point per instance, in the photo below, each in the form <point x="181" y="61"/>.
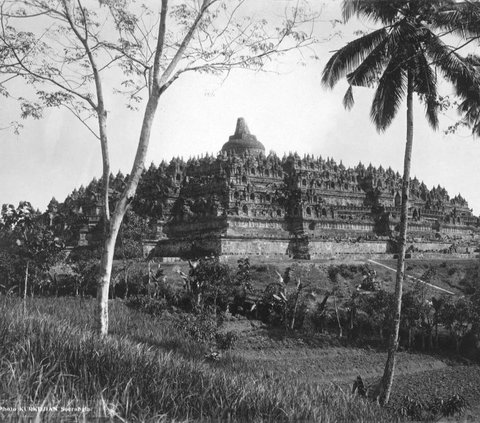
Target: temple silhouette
<point x="244" y="202"/>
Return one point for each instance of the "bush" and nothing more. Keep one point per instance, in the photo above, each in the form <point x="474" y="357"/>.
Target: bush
<point x="433" y="410"/>
<point x="379" y="308"/>
<point x="261" y="268"/>
<point x="452" y="271"/>
<point x="201" y="327"/>
<point x="344" y="270"/>
<point x="209" y="284"/>
<point x="226" y="340"/>
<point x="147" y="304"/>
<point x="128" y="280"/>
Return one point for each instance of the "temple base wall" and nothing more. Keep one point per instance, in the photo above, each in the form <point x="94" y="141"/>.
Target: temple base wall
<point x="185" y="247"/>
<point x="320" y="249"/>
<point x="255" y="247"/>
<point x="267" y="247"/>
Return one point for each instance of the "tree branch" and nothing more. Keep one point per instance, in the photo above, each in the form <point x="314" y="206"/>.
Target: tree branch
<point x="100" y="109"/>
<point x="160" y="46"/>
<point x="178" y="55"/>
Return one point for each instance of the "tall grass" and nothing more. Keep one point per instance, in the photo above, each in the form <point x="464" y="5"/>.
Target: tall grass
<point x="144" y="371"/>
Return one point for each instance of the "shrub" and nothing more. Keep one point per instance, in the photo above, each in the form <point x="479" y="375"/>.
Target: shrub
<point x="452" y="406"/>
<point x="379" y="308"/>
<point x="226" y="340"/>
<point x="452" y="271"/>
<point x="128" y="280"/>
<point x="201" y="327"/>
<point x="209" y="284"/>
<point x="147" y="304"/>
<point x="432" y="410"/>
<point x="458" y="316"/>
<point x="412" y="408"/>
<point x="261" y="268"/>
<point x="344" y="270"/>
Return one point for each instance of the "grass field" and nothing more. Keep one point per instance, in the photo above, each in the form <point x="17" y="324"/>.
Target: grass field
<point x="145" y="371"/>
<point x="149" y="370"/>
<point x="420" y="376"/>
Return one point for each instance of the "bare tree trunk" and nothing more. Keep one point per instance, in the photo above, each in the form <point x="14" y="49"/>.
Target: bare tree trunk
<point x="340" y="330"/>
<point x="119" y="212"/>
<point x="126" y="284"/>
<point x="387" y="379"/>
<point x="292" y="325"/>
<point x="458" y="341"/>
<point x="106" y="264"/>
<point x="160" y="82"/>
<point x="353" y="313"/>
<point x="25" y="286"/>
<point x="32" y="285"/>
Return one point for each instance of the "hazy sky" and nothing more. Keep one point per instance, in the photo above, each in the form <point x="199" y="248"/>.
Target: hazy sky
<point x="287" y="111"/>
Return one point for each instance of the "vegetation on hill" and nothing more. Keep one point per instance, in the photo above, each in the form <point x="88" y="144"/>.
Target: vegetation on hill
<point x="146" y="371"/>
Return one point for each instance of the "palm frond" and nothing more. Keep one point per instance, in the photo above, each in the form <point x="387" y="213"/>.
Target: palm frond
<point x="460" y="72"/>
<point x="389" y="94"/>
<point x="376" y="10"/>
<point x="348" y="100"/>
<point x="462" y="19"/>
<point x="349" y="57"/>
<point x="366" y="73"/>
<point x="470" y="106"/>
<point x="425" y="84"/>
<point x="473" y="60"/>
<point x="471" y="112"/>
<point x="431" y="110"/>
<point x="471" y="115"/>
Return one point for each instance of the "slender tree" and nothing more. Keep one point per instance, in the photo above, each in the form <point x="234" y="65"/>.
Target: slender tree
<point x="69" y="51"/>
<point x="399" y="59"/>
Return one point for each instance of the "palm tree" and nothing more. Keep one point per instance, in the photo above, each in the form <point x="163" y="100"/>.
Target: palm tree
<point x="400" y="58"/>
<point x="464" y="20"/>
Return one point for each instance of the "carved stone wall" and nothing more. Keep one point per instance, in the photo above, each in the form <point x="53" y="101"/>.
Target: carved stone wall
<point x="253" y="203"/>
<point x="243" y="201"/>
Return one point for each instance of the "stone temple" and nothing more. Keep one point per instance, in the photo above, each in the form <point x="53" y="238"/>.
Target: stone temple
<point x="244" y="203"/>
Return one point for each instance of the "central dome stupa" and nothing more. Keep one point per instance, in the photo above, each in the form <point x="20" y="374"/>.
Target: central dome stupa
<point x="243" y="141"/>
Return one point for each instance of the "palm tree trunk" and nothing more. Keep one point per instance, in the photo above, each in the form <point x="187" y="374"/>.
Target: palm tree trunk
<point x="387" y="379"/>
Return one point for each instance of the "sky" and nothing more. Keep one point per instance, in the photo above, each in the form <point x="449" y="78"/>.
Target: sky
<point x="287" y="108"/>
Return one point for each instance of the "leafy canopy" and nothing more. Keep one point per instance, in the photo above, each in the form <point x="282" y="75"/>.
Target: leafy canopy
<point x="63" y="48"/>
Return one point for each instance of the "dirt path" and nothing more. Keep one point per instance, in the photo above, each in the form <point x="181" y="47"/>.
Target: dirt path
<point x="335" y="364"/>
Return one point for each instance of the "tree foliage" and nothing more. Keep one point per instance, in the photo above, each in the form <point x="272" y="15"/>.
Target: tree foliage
<point x="29" y="244"/>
